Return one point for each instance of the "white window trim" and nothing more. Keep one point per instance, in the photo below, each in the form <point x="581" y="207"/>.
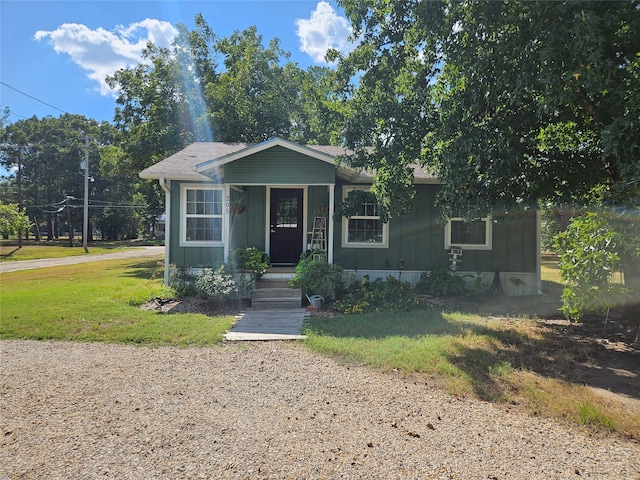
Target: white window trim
<point x="183" y="216"/>
<point x="345" y="227"/>
<point x="488" y="245"/>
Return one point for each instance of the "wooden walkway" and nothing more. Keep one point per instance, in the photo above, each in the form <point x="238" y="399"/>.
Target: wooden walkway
<point x="268" y="324"/>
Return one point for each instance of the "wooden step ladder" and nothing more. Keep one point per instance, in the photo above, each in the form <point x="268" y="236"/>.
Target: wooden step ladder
<point x="318" y="233"/>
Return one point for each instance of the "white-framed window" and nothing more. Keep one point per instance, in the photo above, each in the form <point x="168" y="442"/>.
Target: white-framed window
<point x="201" y="209"/>
<point x="365" y="229"/>
<point x="468" y="234"/>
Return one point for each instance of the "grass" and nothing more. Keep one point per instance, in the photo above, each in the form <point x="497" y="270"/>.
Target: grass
<point x="509" y="360"/>
<point x="514" y="360"/>
<point x="98" y="302"/>
<point x="32" y="250"/>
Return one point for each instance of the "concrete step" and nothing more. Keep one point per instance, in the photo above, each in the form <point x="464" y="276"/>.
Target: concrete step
<point x="275" y="294"/>
<point x="275" y="303"/>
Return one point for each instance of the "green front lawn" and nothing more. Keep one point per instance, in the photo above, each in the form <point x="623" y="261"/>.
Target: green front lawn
<point x="99" y="302"/>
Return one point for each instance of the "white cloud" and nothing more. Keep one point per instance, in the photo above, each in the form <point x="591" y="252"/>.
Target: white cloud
<point x="324" y="30"/>
<point x="102" y="52"/>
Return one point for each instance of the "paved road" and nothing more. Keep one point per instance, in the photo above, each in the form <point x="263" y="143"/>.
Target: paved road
<point x="133" y="252"/>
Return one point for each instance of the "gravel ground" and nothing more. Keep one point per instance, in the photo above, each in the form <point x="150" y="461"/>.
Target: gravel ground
<point x="265" y="410"/>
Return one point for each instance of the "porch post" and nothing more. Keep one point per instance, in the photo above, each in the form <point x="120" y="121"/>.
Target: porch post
<point x="226" y="227"/>
<point x="330" y="220"/>
<point x="167" y="228"/>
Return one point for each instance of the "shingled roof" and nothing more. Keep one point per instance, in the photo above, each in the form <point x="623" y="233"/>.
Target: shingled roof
<point x="183" y="164"/>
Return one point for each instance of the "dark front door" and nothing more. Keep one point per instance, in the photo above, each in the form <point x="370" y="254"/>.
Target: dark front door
<point x="287" y="233"/>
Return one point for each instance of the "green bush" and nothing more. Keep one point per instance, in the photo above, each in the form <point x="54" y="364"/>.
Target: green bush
<point x="252" y="260"/>
<point x="379" y="295"/>
<point x="182" y="280"/>
<point x="440" y="283"/>
<point x="317" y="277"/>
<point x="589" y="252"/>
<point x="222" y="285"/>
<point x="12" y="220"/>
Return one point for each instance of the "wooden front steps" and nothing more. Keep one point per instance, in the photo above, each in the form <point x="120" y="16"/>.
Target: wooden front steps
<point x="275" y="293"/>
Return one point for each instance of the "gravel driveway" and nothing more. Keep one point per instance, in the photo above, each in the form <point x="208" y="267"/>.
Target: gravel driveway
<point x="265" y="410"/>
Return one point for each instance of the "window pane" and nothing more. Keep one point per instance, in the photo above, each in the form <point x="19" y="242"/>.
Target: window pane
<point x="204" y="202"/>
<point x="287" y="212"/>
<point x="204" y="229"/>
<point x="365" y="230"/>
<point x="217" y="202"/>
<point x="468" y="233"/>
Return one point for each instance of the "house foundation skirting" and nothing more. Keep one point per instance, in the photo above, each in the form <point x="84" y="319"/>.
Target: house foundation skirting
<point x="513" y="283"/>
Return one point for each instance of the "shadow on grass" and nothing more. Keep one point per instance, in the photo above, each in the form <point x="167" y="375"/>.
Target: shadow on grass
<point x="560" y="352"/>
<point x="145" y="269"/>
<point x="7" y="255"/>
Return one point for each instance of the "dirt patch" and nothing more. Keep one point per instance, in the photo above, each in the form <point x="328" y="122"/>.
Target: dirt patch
<point x="600" y="356"/>
<point x="195" y="305"/>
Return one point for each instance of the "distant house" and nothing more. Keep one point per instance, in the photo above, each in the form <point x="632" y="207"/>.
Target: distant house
<point x="280" y="197"/>
<point x="159" y="226"/>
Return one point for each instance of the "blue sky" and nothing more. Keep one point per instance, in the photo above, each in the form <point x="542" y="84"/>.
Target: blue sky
<point x="60" y="51"/>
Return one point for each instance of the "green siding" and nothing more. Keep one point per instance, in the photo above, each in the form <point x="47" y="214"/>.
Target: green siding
<point x="279" y="166"/>
<point x="317" y="204"/>
<point x="417" y="241"/>
<point x="248" y="228"/>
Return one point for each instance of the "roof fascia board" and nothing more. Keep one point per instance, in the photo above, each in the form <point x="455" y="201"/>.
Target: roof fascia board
<point x="181" y="177"/>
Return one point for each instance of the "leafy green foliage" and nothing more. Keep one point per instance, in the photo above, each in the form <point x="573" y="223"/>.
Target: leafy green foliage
<point x="238" y="88"/>
<point x="317" y="277"/>
<point x="250" y="259"/>
<point x="377" y="296"/>
<point x="512" y="102"/>
<point x="440" y="282"/>
<point x="182" y="280"/>
<point x="589" y="252"/>
<point x="12" y="220"/>
<point x="352" y="205"/>
<point x="50" y="151"/>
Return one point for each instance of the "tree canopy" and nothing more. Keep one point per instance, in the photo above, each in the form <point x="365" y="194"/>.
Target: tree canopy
<point x="207" y="88"/>
<point x="508" y="102"/>
<point x="51" y="153"/>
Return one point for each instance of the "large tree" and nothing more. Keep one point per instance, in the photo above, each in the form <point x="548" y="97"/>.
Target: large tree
<point x="207" y="88"/>
<point x="49" y="152"/>
<point x="510" y="103"/>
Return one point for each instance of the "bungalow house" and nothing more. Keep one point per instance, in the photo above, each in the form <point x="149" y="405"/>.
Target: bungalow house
<point x="280" y="197"/>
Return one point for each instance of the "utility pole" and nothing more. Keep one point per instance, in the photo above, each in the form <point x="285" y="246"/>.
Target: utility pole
<point x="85" y="223"/>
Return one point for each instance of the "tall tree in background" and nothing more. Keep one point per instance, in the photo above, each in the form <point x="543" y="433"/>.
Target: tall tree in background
<point x="509" y="103"/>
<point x="207" y="88"/>
<point x="252" y="99"/>
<point x="50" y="151"/>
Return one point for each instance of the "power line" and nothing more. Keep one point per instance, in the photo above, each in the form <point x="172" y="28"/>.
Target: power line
<point x="32" y="97"/>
